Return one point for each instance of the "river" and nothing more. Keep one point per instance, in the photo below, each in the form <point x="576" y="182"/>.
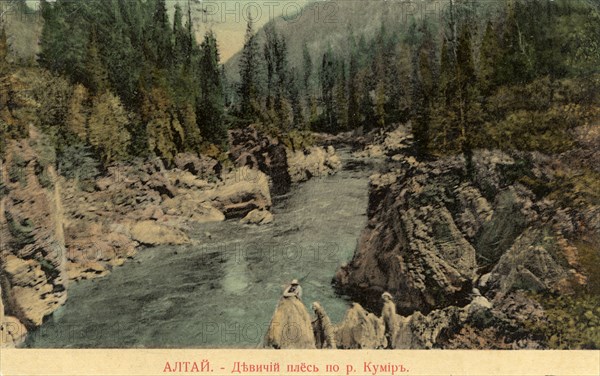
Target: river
<point x="221" y="291"/>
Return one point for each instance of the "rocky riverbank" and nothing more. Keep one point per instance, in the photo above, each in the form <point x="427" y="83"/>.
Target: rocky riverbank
<point x="438" y="229"/>
<point x="467" y="250"/>
<point x="56" y="231"/>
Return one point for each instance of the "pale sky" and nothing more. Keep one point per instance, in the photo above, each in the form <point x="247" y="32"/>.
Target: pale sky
<point x="228" y="19"/>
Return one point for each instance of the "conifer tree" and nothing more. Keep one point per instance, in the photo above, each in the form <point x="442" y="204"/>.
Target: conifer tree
<point x="354" y="118"/>
<point x="211" y="101"/>
<point x="488" y="60"/>
<point x="160" y="36"/>
<point x="96" y="78"/>
<point x="249" y="90"/>
<point x="328" y="78"/>
<point x="3" y="50"/>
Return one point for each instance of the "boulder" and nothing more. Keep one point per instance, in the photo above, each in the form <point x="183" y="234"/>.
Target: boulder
<point x="258" y="217"/>
<point x="248" y="148"/>
<point x="360" y="330"/>
<point x="290" y="327"/>
<point x="152" y="234"/>
<point x="313" y="162"/>
<point x="201" y="166"/>
<point x="193" y="207"/>
<point x="241" y="192"/>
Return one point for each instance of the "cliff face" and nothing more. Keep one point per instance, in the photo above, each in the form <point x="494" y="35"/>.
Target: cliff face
<point x="283" y="166"/>
<point x="438" y="229"/>
<point x="33" y="259"/>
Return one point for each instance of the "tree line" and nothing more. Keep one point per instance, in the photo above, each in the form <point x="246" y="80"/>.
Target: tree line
<point x="520" y="77"/>
<point x="143" y="85"/>
<point x="140" y="84"/>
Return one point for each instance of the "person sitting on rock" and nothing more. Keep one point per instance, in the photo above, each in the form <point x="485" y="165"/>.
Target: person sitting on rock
<point x="293" y="290"/>
<point x="388" y="313"/>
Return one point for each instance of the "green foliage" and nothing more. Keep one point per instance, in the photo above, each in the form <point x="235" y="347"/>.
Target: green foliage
<point x="107" y="124"/>
<point x="155" y="68"/>
<point x="249" y="73"/>
<point x="210" y="105"/>
<point x="572" y="322"/>
<point x="78" y="162"/>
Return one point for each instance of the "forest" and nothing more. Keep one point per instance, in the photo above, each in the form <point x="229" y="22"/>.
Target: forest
<point x="125" y="80"/>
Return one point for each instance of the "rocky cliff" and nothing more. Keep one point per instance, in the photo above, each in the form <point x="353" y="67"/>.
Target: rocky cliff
<point x="439" y="228"/>
<point x="33" y="272"/>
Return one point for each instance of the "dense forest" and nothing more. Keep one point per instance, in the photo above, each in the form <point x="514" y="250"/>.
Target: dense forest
<point x="127" y="79"/>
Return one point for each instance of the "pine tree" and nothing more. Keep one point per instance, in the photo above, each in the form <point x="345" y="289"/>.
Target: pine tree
<point x="162" y="131"/>
<point x="78" y="114"/>
<point x="248" y="90"/>
<point x="160" y="36"/>
<point x="515" y="65"/>
<point x="468" y="106"/>
<point x="96" y="74"/>
<point x="328" y="78"/>
<point x="308" y="68"/>
<point x="3" y="50"/>
<point x="488" y="60"/>
<point x="269" y="53"/>
<point x="211" y="102"/>
<point x="341" y="99"/>
<point x="354" y="117"/>
<point x="424" y="92"/>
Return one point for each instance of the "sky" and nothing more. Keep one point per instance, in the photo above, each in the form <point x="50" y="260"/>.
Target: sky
<point x="228" y="19"/>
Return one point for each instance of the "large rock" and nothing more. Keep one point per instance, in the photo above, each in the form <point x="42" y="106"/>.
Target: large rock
<point x="200" y="166"/>
<point x="152" y="233"/>
<point x="241" y="192"/>
<point x="249" y="148"/>
<point x="192" y="207"/>
<point x="313" y="162"/>
<point x="290" y="327"/>
<point x="360" y="330"/>
<point x="533" y="263"/>
<point x="258" y="217"/>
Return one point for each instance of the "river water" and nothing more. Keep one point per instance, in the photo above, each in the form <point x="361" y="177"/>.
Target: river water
<point x="221" y="291"/>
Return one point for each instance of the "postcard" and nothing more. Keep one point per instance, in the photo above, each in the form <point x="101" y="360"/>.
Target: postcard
<point x="302" y="187"/>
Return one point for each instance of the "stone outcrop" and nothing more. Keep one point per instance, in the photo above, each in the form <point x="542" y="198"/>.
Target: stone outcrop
<point x="290" y="327"/>
<point x="258" y="217"/>
<point x="32" y="246"/>
<point x="313" y="162"/>
<point x="438" y="228"/>
<point x="360" y="330"/>
<point x="412" y="246"/>
<point x="152" y="233"/>
<point x="432" y="231"/>
<point x="249" y="148"/>
<point x="241" y="192"/>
